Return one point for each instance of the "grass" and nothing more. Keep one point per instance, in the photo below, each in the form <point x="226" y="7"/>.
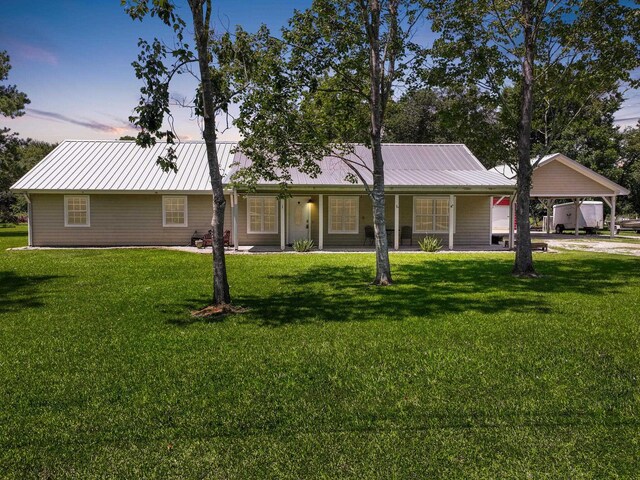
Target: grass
<point x="457" y="371"/>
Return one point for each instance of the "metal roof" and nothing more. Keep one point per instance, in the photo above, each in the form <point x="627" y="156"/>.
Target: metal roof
<point x="123" y="166"/>
<point x="423" y="165"/>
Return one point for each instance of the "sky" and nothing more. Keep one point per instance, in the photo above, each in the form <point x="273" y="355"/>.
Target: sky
<point x="73" y="59"/>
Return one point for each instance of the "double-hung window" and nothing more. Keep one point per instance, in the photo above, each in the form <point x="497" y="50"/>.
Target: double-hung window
<point x="76" y="211"/>
<point x="174" y="211"/>
<point x="430" y="214"/>
<point x="343" y="214"/>
<point x="262" y="215"/>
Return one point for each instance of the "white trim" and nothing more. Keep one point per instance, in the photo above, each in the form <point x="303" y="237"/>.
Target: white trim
<point x="432" y="197"/>
<point x="320" y="221"/>
<point x="66" y="211"/>
<point x="396" y="222"/>
<point x="185" y="212"/>
<point x="275" y="223"/>
<point x="345" y="232"/>
<point x="282" y="219"/>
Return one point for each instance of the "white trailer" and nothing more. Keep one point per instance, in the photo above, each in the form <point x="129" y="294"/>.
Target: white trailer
<point x="590" y="216"/>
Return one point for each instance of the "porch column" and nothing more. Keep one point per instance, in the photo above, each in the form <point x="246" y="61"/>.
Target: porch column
<point x="320" y="222"/>
<point x="282" y="237"/>
<point x="511" y="200"/>
<point x="549" y="204"/>
<point x="612" y="223"/>
<point x="234" y="213"/>
<point x="396" y="224"/>
<point x="577" y="202"/>
<point x="452" y="220"/>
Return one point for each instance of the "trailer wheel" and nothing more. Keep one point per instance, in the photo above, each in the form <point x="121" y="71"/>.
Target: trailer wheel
<point x="560" y="228"/>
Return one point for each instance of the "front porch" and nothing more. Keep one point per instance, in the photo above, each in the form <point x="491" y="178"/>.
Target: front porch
<point x="340" y="221"/>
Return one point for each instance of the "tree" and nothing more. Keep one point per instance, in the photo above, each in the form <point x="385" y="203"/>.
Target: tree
<point x="428" y="115"/>
<point x="630" y="166"/>
<point x="12" y="103"/>
<point x="580" y="49"/>
<point x="336" y="59"/>
<point x="17" y="157"/>
<point x="224" y="62"/>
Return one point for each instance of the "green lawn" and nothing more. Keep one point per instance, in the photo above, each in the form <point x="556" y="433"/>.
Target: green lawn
<point x="458" y="370"/>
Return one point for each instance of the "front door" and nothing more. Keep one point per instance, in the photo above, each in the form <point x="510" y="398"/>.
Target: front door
<point x="298" y="221"/>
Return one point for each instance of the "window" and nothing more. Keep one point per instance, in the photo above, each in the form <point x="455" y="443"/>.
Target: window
<point x="76" y="211"/>
<point x="430" y="215"/>
<point x="262" y="215"/>
<point x="343" y="214"/>
<point x="174" y="211"/>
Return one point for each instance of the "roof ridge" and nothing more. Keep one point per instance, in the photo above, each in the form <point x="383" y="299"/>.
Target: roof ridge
<point x="107" y="140"/>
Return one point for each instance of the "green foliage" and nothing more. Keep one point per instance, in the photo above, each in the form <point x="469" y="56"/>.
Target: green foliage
<point x="583" y="50"/>
<point x="314" y="95"/>
<point x="457" y="371"/>
<point x="12" y="101"/>
<point x="303" y="245"/>
<point x="430" y="244"/>
<point x="17" y="157"/>
<point x="446" y="116"/>
<point x="630" y="166"/>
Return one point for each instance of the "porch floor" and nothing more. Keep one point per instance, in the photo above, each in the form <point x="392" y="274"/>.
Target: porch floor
<point x="245" y="249"/>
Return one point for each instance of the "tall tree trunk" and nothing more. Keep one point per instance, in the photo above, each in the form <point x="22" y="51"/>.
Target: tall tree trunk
<point x="201" y="22"/>
<point x="376" y="103"/>
<point x="383" y="267"/>
<point x="524" y="259"/>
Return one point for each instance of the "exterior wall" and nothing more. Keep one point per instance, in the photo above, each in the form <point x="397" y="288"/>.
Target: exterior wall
<point x="118" y="219"/>
<point x="556" y="179"/>
<point x="472" y="222"/>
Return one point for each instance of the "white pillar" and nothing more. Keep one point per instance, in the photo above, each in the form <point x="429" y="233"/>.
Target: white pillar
<point x="282" y="238"/>
<point x="320" y="222"/>
<point x="452" y="220"/>
<point x="396" y="224"/>
<point x="490" y="220"/>
<point x="612" y="223"/>
<point x="577" y="203"/>
<point x="234" y="213"/>
<point x="511" y="222"/>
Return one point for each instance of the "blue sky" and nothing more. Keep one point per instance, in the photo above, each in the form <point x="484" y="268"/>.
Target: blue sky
<point x="73" y="58"/>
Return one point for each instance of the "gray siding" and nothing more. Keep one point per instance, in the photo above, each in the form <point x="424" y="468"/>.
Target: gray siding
<point x="118" y="219"/>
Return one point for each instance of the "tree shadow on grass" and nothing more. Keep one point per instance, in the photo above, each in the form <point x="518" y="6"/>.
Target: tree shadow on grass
<point x="18" y="292"/>
<point x="428" y="288"/>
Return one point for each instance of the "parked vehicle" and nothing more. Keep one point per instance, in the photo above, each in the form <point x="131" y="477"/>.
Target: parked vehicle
<point x="630" y="224"/>
<point x="590" y="217"/>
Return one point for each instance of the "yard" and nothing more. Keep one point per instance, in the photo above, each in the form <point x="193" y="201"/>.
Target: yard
<point x="459" y="370"/>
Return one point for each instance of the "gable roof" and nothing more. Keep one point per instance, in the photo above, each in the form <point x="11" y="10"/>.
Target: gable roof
<point x="123" y="166"/>
<point x="405" y="165"/>
<point x="508" y="172"/>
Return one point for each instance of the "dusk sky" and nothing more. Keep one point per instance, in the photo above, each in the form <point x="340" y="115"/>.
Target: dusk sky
<point x="73" y="59"/>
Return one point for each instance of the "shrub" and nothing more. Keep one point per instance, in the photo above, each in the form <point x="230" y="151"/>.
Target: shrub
<point x="302" y="245"/>
<point x="430" y="244"/>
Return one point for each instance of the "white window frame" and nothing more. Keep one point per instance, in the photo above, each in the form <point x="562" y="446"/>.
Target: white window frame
<point x="164" y="212"/>
<point x="344" y="232"/>
<point x="66" y="211"/>
<point x="275" y="223"/>
<point x="423" y="197"/>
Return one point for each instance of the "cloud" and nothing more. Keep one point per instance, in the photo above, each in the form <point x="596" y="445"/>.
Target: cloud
<point x="34" y="53"/>
<point x="119" y="128"/>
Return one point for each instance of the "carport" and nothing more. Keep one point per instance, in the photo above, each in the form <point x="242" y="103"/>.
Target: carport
<point x="559" y="177"/>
